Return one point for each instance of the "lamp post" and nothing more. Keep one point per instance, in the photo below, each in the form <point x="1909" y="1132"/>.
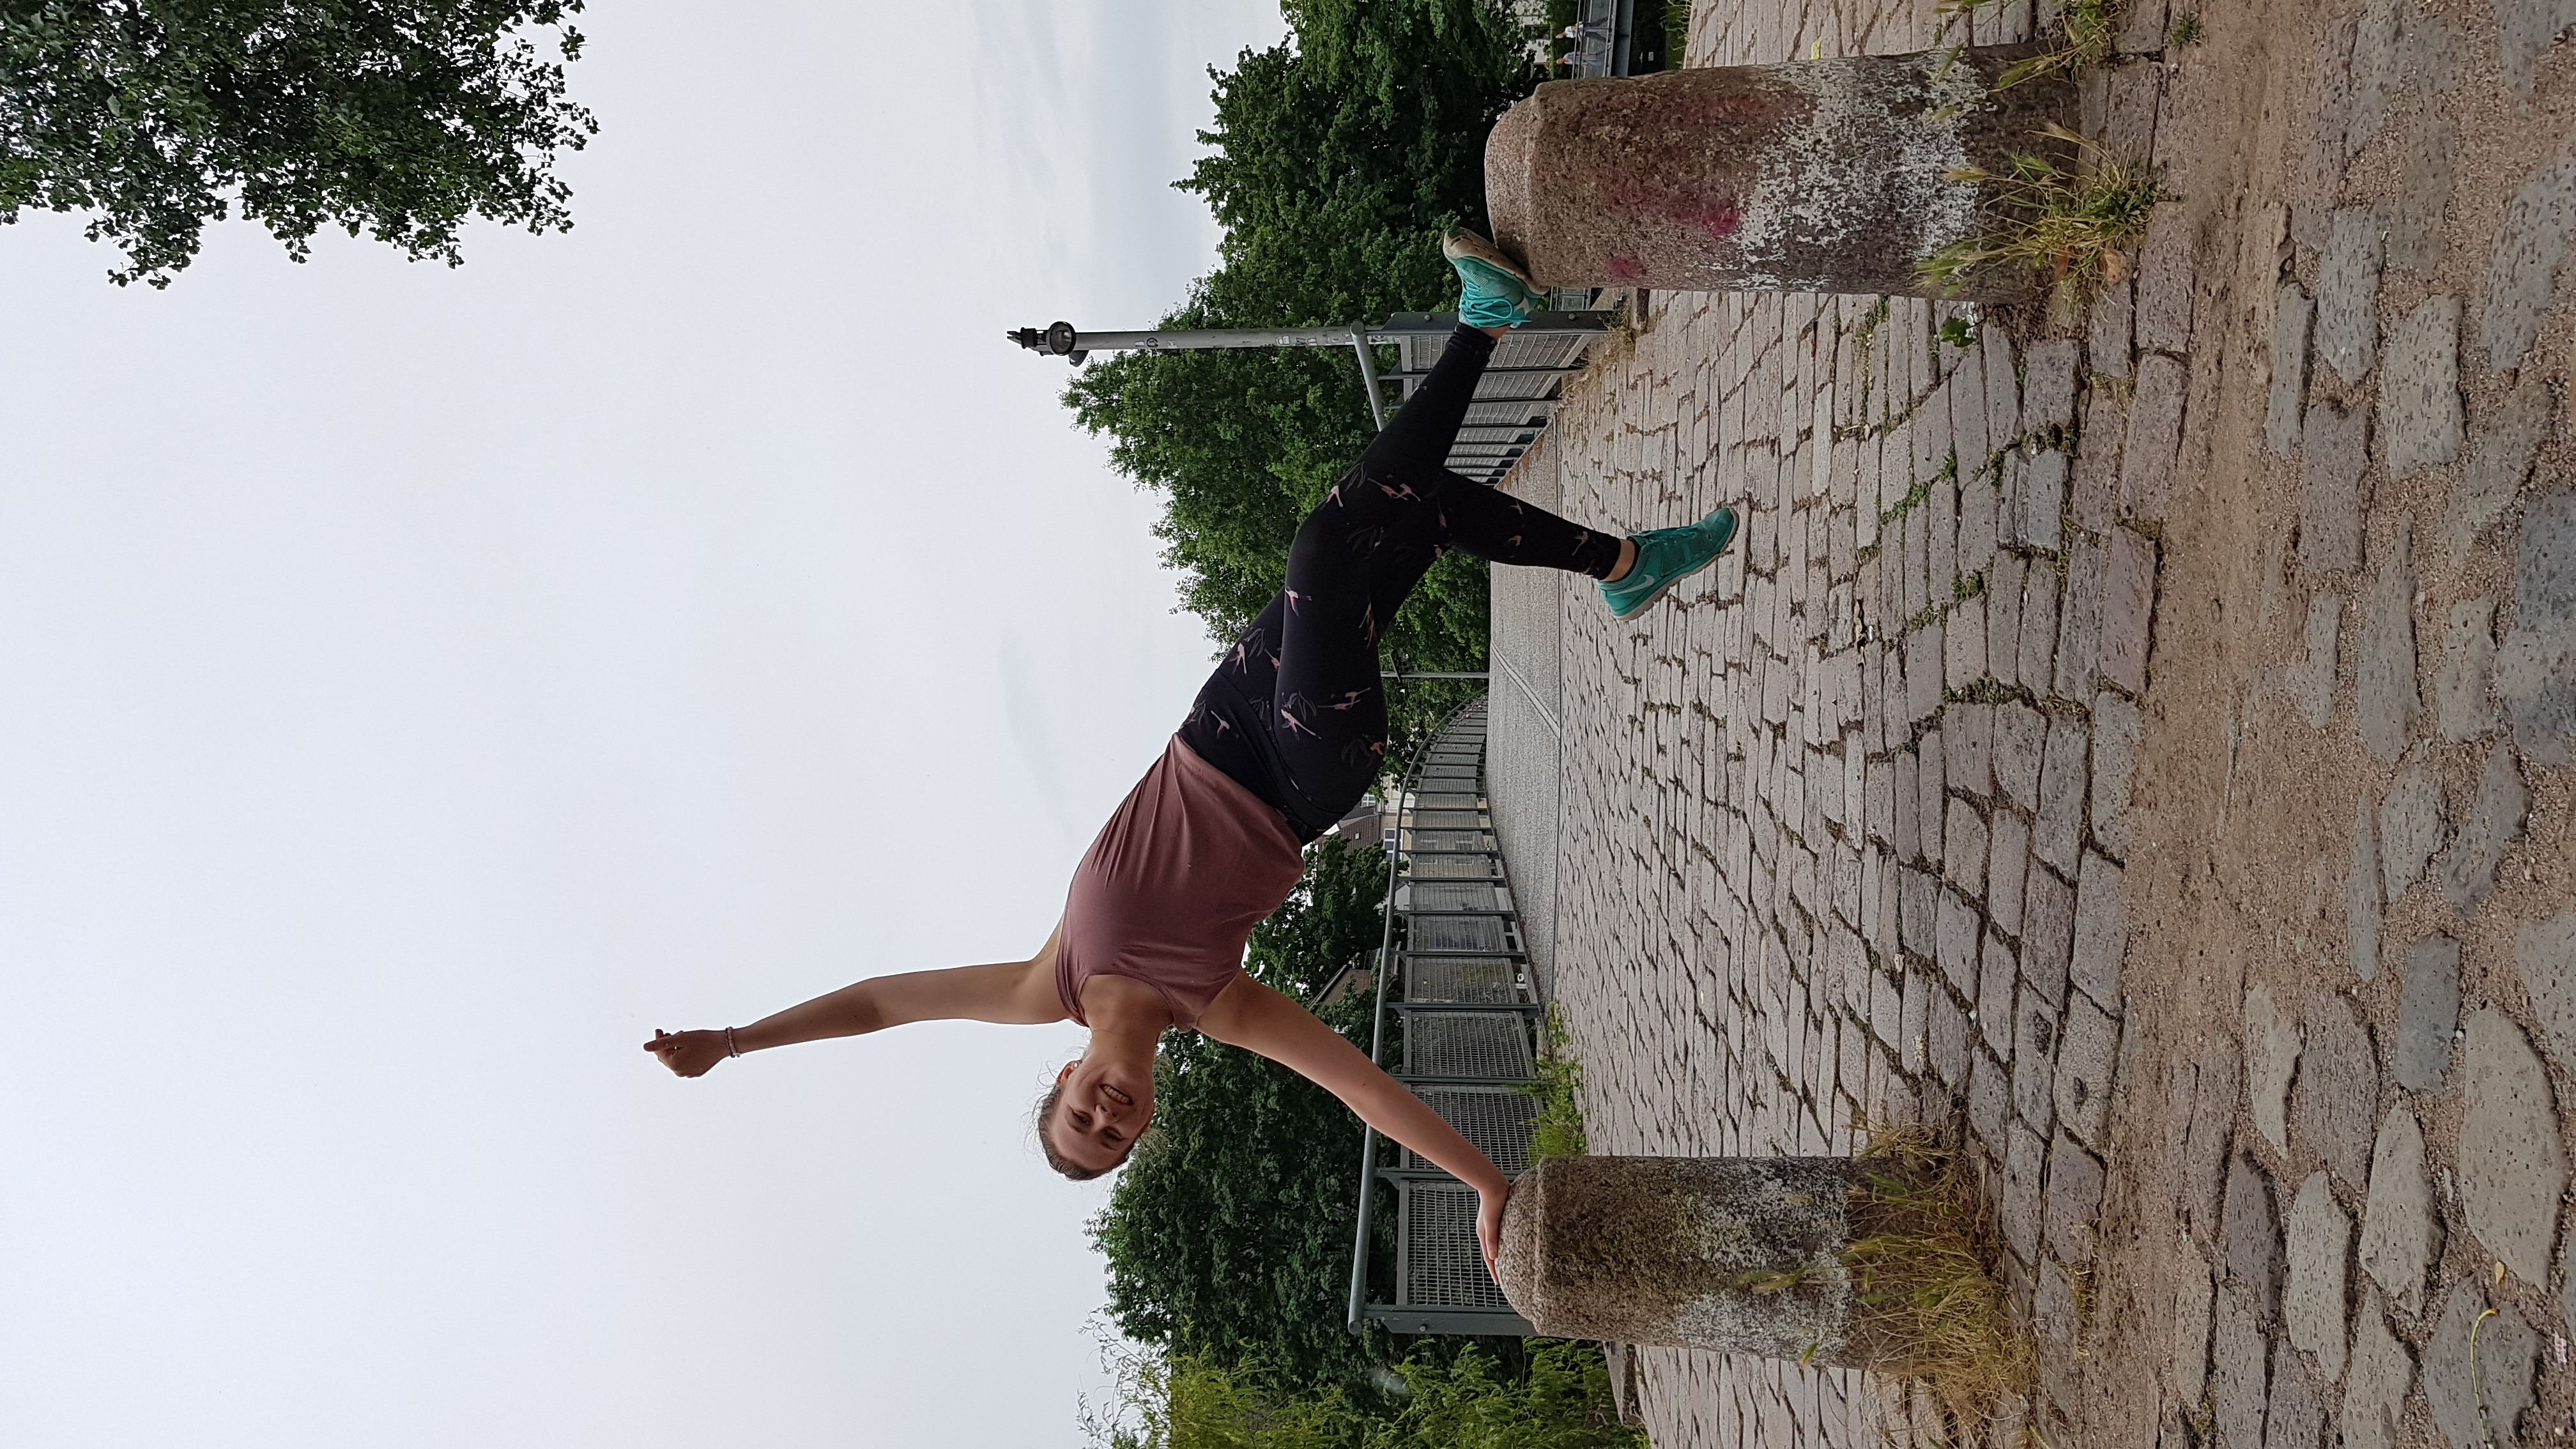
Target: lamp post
<point x="1063" y="339"/>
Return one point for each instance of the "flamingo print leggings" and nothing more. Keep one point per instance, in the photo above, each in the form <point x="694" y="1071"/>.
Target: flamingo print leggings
<point x="1295" y="712"/>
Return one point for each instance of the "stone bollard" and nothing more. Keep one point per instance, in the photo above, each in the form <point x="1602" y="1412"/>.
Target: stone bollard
<point x="1741" y="1254"/>
<point x="1816" y="176"/>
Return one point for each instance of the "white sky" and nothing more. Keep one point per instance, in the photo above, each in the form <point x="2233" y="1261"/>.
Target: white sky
<point x="416" y="685"/>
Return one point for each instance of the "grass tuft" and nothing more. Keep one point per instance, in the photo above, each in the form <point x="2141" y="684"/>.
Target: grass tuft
<point x="2187" y="30"/>
<point x="1558" y="1086"/>
<point x="2088" y="34"/>
<point x="1922" y="1292"/>
<point x="2071" y="223"/>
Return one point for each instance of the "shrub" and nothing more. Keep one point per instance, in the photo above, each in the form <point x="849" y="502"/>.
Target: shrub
<point x="1560" y="1399"/>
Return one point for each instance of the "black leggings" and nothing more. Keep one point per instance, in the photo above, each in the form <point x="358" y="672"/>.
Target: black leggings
<point x="1295" y="713"/>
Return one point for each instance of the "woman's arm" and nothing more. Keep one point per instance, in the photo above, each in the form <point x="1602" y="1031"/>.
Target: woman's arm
<point x="1013" y="992"/>
<point x="1256" y="1018"/>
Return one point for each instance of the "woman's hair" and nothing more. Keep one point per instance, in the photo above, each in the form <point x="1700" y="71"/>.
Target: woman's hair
<point x="1057" y="1160"/>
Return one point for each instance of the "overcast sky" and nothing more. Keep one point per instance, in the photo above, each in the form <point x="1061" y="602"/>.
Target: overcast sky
<point x="417" y="685"/>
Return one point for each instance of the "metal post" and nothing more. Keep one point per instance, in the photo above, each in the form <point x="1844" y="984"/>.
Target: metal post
<point x="1063" y="339"/>
<point x="1368" y="373"/>
<point x="1482" y="458"/>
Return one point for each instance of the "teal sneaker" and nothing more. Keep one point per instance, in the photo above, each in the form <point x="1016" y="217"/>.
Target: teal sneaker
<point x="1493" y="290"/>
<point x="1665" y="557"/>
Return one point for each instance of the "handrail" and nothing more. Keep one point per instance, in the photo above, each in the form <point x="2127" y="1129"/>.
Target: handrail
<point x="1377" y="1027"/>
<point x="1377" y="1021"/>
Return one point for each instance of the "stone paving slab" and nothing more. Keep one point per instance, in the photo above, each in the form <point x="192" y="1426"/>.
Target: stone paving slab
<point x="2506" y="443"/>
<point x="2348" y="293"/>
<point x="2398" y="1227"/>
<point x="2528" y="251"/>
<point x="2334" y="451"/>
<point x="2410" y="830"/>
<point x="2428" y="1012"/>
<point x="2239" y="1381"/>
<point x="2545" y="960"/>
<point x="2338" y="1087"/>
<point x="2295" y="1418"/>
<point x="2312" y="1296"/>
<point x="2419" y="390"/>
<point x="2512" y="1165"/>
<point x="2292" y="316"/>
<point x="2477" y="1389"/>
<point x="2374" y="1394"/>
<point x="2535" y="673"/>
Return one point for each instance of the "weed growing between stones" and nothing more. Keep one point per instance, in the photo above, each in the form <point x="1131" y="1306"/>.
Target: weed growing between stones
<point x="1557" y="1131"/>
<point x="2088" y="33"/>
<point x="2068" y="219"/>
<point x="1922" y="1298"/>
<point x="2187" y="30"/>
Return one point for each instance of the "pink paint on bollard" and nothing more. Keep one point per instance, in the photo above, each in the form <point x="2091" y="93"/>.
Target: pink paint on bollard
<point x="1816" y="176"/>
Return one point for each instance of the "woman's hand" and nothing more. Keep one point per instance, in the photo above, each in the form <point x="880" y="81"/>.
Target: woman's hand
<point x="689" y="1053"/>
<point x="1489" y="1225"/>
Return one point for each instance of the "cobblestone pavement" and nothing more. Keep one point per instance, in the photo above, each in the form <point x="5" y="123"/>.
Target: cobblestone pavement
<point x="1884" y="819"/>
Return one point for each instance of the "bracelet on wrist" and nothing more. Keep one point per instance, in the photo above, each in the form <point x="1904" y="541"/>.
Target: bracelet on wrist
<point x="731" y="1049"/>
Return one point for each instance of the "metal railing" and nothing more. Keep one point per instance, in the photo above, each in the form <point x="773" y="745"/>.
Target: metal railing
<point x="1520" y="388"/>
<point x="1606" y="40"/>
<point x="1466" y="1015"/>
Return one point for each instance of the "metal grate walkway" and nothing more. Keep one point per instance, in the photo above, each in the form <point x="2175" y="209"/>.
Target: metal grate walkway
<point x="1457" y="993"/>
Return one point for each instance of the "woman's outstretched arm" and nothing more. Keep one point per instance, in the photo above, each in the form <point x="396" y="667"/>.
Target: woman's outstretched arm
<point x="1014" y="992"/>
<point x="1256" y="1018"/>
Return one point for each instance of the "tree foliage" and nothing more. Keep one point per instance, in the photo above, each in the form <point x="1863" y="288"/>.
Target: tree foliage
<point x="1335" y="916"/>
<point x="1559" y="1398"/>
<point x="1337" y="159"/>
<point x="1230" y="1231"/>
<point x="401" y="119"/>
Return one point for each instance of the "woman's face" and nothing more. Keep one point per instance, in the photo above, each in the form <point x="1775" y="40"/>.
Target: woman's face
<point x="1104" y="1106"/>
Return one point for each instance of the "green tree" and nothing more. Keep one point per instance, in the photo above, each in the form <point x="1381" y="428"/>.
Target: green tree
<point x="401" y="119"/>
<point x="1230" y="1232"/>
<point x="1335" y="916"/>
<point x="1558" y="1397"/>
<point x="1338" y="157"/>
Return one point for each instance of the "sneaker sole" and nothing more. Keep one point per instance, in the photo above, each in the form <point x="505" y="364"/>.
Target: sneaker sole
<point x="1666" y="586"/>
<point x="1468" y="244"/>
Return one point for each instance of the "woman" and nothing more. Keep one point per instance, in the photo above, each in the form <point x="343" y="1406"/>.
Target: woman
<point x="1284" y="738"/>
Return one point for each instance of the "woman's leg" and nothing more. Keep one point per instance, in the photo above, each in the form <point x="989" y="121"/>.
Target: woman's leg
<point x="1354" y="560"/>
<point x="1316" y="736"/>
<point x="1360" y="554"/>
<point x="1495" y="526"/>
<point x="1414" y="445"/>
<point x="1310" y="740"/>
<point x="1327" y="711"/>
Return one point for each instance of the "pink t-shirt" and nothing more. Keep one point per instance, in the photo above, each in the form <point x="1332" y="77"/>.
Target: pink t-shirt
<point x="1180" y="875"/>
